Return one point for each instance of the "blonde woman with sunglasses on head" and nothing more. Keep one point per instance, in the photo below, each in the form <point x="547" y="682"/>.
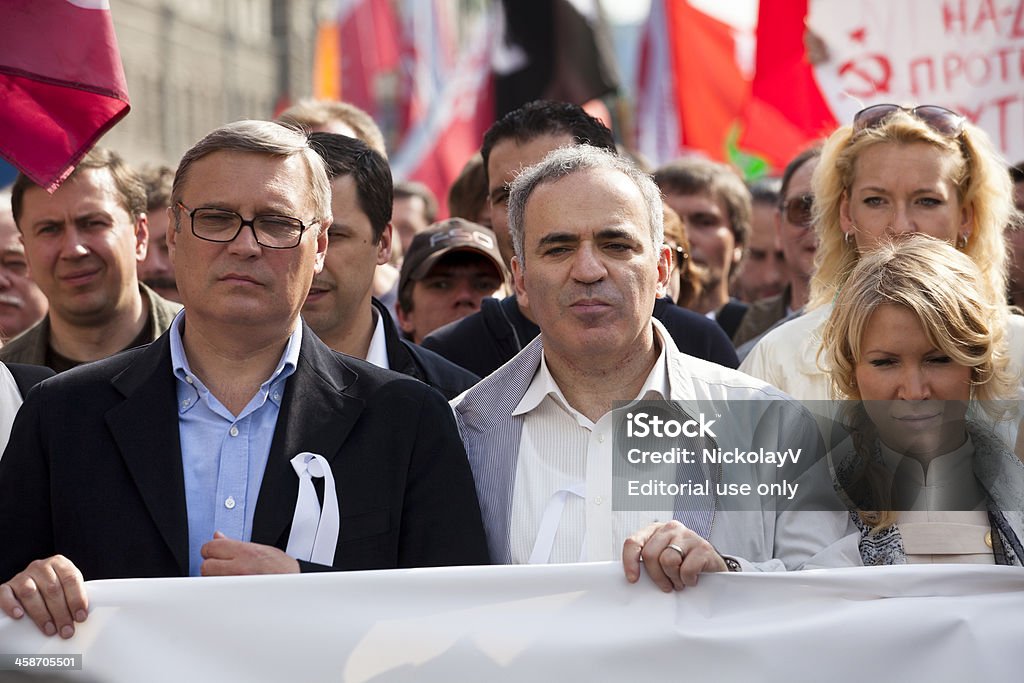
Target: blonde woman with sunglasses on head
<point x="894" y="171"/>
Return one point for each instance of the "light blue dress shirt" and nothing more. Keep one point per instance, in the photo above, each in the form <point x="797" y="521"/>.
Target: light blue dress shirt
<point x="224" y="455"/>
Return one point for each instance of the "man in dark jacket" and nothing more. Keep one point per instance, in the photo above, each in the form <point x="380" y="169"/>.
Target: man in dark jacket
<point x="195" y="455"/>
<point x="340" y="307"/>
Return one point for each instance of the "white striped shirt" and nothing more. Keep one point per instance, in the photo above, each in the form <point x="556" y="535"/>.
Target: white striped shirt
<point x="565" y="456"/>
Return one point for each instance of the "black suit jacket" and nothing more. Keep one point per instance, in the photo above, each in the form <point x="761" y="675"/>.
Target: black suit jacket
<point x="93" y="470"/>
<point x="27" y="376"/>
<point x="426" y="366"/>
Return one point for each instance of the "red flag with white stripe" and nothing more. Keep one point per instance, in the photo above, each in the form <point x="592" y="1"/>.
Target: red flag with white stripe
<point x="61" y="83"/>
<point x="786" y="111"/>
<point x="427" y="58"/>
<point x="453" y="107"/>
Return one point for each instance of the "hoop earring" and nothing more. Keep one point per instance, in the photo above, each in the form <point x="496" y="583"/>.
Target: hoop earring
<point x="846" y="237"/>
<point x="961" y="241"/>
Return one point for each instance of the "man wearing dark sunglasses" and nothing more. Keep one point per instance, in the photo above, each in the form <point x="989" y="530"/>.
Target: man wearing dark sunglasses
<point x="793" y="221"/>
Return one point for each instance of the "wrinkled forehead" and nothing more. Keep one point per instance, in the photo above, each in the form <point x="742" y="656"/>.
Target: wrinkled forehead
<point x="87" y="188"/>
<point x="925" y="158"/>
<point x="232" y="175"/>
<point x="690" y="204"/>
<point x="586" y="201"/>
<point x="511" y="155"/>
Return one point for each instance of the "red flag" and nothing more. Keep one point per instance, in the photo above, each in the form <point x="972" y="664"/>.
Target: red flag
<point x="691" y="86"/>
<point x="368" y="32"/>
<point x="61" y="84"/>
<point x="786" y="110"/>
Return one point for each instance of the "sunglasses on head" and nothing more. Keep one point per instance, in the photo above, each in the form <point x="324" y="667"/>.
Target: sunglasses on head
<point x="799" y="211"/>
<point x="941" y="120"/>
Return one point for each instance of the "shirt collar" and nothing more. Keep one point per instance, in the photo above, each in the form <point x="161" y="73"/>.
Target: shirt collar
<point x="656" y="386"/>
<point x="285" y="366"/>
<point x="955" y="467"/>
<point x="377" y="354"/>
<point x="542" y="385"/>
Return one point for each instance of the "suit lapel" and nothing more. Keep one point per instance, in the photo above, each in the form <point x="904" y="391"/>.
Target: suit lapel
<point x="320" y="408"/>
<point x="491" y="434"/>
<point x="145" y="428"/>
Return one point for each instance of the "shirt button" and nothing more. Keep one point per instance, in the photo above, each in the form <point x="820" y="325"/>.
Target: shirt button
<point x="233" y="431"/>
<point x="598" y="500"/>
<point x="600" y="438"/>
<point x="277" y="396"/>
<point x="230" y="503"/>
<point x="988" y="538"/>
<point x="186" y="403"/>
<point x="188" y="379"/>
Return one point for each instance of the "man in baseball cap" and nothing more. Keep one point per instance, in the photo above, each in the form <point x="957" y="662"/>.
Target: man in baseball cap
<point x="448" y="269"/>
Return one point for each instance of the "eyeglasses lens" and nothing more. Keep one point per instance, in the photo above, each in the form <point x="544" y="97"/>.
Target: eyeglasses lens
<point x="800" y="211"/>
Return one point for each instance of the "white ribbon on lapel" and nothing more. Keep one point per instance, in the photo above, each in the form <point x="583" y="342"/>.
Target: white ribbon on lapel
<point x="314" y="534"/>
<point x="550" y="521"/>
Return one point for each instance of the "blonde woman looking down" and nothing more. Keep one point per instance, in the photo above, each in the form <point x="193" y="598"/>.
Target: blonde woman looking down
<point x="921" y="356"/>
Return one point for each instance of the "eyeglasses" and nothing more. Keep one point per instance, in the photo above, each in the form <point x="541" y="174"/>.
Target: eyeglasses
<point x="799" y="211"/>
<point x="679" y="256"/>
<point x="941" y="120"/>
<point x="219" y="225"/>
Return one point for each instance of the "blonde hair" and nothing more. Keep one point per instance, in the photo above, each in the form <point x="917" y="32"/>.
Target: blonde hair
<point x="943" y="288"/>
<point x="979" y="176"/>
<point x="312" y="113"/>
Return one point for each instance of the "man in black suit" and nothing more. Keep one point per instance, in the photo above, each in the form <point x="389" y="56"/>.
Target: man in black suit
<point x="341" y="308"/>
<point x="196" y="455"/>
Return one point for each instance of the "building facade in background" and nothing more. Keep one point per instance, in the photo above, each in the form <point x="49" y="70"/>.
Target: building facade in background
<point x="193" y="65"/>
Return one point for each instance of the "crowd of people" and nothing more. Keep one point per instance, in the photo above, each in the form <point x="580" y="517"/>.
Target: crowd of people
<point x="275" y="359"/>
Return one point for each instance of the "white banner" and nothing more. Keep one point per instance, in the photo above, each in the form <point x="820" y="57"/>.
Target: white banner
<point x="967" y="55"/>
<point x="549" y="623"/>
